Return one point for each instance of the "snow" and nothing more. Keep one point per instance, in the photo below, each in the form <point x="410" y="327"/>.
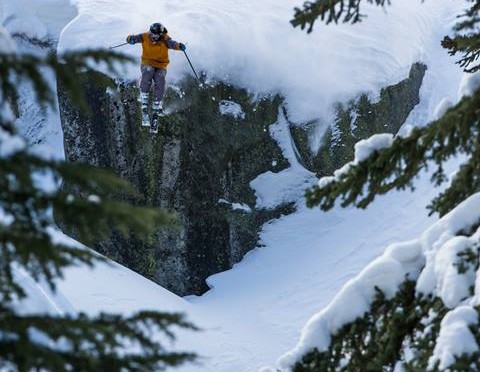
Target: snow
<point x="455" y="338"/>
<point x="40" y="19"/>
<point x="6" y="219"/>
<point x="309" y="262"/>
<point x="10" y="144"/>
<point x="231" y="108"/>
<point x="364" y="148"/>
<point x="107" y="287"/>
<point x="304" y="261"/>
<point x="440" y="275"/>
<point x="113" y="288"/>
<point x="442" y="108"/>
<point x="19" y="17"/>
<point x="7" y="45"/>
<point x="469" y="84"/>
<point x="253" y="45"/>
<point x="385" y="273"/>
<point x="273" y="189"/>
<point x="453" y="286"/>
<point x="465" y="214"/>
<point x="40" y="298"/>
<point x="94" y="199"/>
<point x="236" y="206"/>
<point x="435" y="253"/>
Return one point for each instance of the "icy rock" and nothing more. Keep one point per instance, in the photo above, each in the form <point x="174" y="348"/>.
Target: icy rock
<point x="231" y="108"/>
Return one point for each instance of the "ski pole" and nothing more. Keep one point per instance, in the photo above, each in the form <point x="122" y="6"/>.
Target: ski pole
<point x="116" y="46"/>
<point x="188" y="59"/>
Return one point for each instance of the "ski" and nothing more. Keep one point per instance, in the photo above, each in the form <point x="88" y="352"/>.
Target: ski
<point x="154" y="123"/>
<point x="145" y="117"/>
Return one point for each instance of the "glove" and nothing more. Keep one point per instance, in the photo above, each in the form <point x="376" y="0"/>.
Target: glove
<point x="182" y="47"/>
<point x="130" y="39"/>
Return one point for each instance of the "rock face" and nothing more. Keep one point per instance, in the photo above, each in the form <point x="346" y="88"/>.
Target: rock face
<point x="199" y="165"/>
<point x="212" y="143"/>
<point x="359" y="119"/>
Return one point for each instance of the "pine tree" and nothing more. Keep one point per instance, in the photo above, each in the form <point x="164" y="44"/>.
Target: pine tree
<point x="456" y="132"/>
<point x="330" y="11"/>
<point x="28" y="231"/>
<point x="405" y="327"/>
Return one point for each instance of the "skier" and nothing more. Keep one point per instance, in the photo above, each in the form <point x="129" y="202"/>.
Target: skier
<point x="155" y="45"/>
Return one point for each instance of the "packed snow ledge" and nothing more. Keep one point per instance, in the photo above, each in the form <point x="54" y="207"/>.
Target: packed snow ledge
<point x="261" y="52"/>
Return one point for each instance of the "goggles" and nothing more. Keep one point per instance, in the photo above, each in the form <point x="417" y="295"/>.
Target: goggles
<point x="156" y="37"/>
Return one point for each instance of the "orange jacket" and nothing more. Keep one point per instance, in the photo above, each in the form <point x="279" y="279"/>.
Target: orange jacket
<point x="156" y="53"/>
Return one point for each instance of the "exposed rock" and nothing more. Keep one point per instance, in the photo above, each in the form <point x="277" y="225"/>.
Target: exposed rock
<point x="199" y="157"/>
<point x="359" y="119"/>
<point x="211" y="145"/>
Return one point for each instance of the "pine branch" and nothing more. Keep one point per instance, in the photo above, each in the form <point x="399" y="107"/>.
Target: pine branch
<point x="465" y="183"/>
<point x="82" y="344"/>
<point x="466" y="40"/>
<point x="330" y="11"/>
<point x="29" y="240"/>
<point x="28" y="67"/>
<point x="468" y="46"/>
<point x="26" y="231"/>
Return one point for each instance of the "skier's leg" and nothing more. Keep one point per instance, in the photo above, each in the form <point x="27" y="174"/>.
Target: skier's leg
<point x="148" y="73"/>
<point x="145" y="84"/>
<point x="159" y="78"/>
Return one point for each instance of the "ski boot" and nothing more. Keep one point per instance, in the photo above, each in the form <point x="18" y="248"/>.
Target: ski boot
<point x="158" y="107"/>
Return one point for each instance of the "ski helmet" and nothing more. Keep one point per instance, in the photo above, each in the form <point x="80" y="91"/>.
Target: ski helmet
<point x="157" y="29"/>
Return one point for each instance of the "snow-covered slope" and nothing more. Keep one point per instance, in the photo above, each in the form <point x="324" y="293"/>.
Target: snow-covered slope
<point x="443" y="263"/>
<point x="252" y="44"/>
<point x="254" y="312"/>
<point x="432" y="260"/>
<point x="43" y="19"/>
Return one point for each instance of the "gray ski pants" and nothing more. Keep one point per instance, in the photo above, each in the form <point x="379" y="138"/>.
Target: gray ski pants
<point x="157" y="75"/>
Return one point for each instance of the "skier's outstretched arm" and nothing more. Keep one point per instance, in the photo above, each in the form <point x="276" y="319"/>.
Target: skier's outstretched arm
<point x="133" y="39"/>
<point x="172" y="44"/>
